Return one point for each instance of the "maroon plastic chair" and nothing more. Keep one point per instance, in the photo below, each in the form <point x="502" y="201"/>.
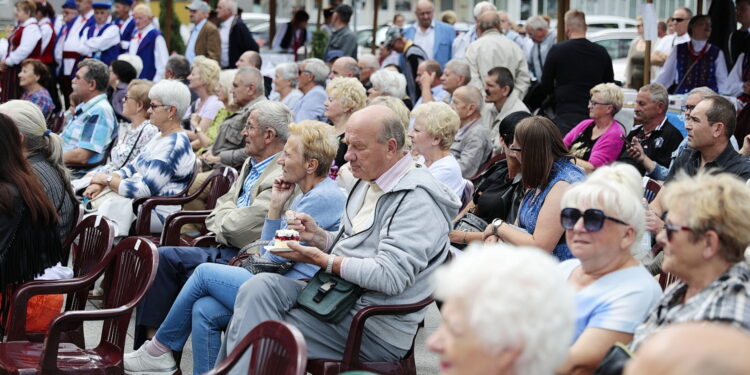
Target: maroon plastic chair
<point x="89" y="242"/>
<point x="278" y="348"/>
<point x="129" y="271"/>
<point x="351" y="360"/>
<point x="220" y="181"/>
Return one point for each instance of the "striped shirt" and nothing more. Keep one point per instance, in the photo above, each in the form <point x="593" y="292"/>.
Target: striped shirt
<point x="725" y="300"/>
<point x="164" y="167"/>
<point x="93" y="128"/>
<point x="256" y="169"/>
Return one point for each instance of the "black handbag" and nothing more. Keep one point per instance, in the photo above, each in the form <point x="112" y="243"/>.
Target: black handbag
<point x="329" y="297"/>
<point x="249" y="259"/>
<point x="470" y="223"/>
<point x="614" y="361"/>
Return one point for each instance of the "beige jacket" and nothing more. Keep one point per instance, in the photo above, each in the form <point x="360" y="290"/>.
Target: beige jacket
<point x="494" y="49"/>
<point x="239" y="226"/>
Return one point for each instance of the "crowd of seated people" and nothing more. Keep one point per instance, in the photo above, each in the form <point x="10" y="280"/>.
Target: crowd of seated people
<point x="431" y="170"/>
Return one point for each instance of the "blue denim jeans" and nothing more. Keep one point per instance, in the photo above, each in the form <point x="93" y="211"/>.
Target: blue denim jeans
<point x="204" y="306"/>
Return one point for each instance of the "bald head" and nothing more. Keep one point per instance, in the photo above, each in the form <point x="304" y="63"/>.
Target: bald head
<point x="469" y="94"/>
<point x="693" y="349"/>
<point x="424" y="12"/>
<point x="250" y="58"/>
<point x="487" y="21"/>
<point x="376" y="141"/>
<point x="344" y="66"/>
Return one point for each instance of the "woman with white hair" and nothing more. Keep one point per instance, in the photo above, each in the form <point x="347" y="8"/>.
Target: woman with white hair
<point x="389" y="83"/>
<point x="163" y="168"/>
<point x="506" y="310"/>
<point x="285" y="84"/>
<point x="435" y="126"/>
<point x="44" y="153"/>
<point x="598" y="140"/>
<point x="204" y="80"/>
<point x="345" y="96"/>
<point x="604" y="220"/>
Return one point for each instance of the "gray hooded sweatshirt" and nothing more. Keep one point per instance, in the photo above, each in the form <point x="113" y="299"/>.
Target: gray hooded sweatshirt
<point x="395" y="257"/>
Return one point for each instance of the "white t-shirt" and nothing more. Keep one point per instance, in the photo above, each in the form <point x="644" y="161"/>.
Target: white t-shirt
<point x="618" y="301"/>
<point x="448" y="171"/>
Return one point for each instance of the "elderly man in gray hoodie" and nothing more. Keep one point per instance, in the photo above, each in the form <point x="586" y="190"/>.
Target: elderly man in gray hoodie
<point x="394" y="234"/>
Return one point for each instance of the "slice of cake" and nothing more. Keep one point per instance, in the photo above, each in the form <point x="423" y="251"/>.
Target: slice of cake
<point x="284" y="235"/>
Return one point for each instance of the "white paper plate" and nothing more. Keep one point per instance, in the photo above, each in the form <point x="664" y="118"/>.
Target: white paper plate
<point x="277" y="249"/>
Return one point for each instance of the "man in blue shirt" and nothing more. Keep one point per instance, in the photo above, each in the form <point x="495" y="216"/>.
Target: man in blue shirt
<point x="94" y="126"/>
<point x="435" y="37"/>
<point x="311" y="80"/>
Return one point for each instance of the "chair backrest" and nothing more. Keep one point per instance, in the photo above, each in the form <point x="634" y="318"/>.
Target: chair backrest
<point x="278" y="348"/>
<point x="221" y="181"/>
<point x="126" y="281"/>
<point x="88" y="244"/>
<point x="468" y="193"/>
<point x="651" y="190"/>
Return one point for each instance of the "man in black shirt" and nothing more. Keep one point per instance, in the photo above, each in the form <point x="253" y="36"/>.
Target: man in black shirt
<point x="656" y="135"/>
<point x="571" y="69"/>
<point x="709" y="126"/>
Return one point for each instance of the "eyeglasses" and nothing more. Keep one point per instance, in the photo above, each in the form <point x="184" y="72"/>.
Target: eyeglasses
<point x="678" y="19"/>
<point x="301" y="72"/>
<point x="593" y="219"/>
<point x="515" y="149"/>
<point x="593" y="103"/>
<point x="155" y="106"/>
<point x="125" y="98"/>
<point x="672" y="229"/>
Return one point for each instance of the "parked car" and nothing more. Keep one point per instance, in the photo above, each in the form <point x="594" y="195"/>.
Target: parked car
<point x="597" y="23"/>
<point x="617" y="43"/>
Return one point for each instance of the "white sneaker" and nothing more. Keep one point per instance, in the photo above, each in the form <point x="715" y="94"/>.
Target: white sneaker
<point x="140" y="362"/>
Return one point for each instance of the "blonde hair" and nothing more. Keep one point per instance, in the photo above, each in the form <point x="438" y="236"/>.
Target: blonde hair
<point x="439" y="121"/>
<point x="317" y="143"/>
<point x="611" y="94"/>
<point x="349" y="91"/>
<point x="575" y="19"/>
<point x="226" y="79"/>
<point x="27" y="6"/>
<point x="138" y="90"/>
<point x="711" y="201"/>
<point x="615" y="189"/>
<point x="144" y="10"/>
<point x="209" y="71"/>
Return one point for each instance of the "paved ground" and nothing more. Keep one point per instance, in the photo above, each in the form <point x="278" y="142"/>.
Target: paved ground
<point x="427" y="362"/>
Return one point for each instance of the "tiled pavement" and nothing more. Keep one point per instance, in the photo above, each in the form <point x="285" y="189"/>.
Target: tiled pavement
<point x="427" y="362"/>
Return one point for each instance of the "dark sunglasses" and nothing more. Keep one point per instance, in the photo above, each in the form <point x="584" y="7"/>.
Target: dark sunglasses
<point x="678" y="19"/>
<point x="593" y="219"/>
<point x="672" y="229"/>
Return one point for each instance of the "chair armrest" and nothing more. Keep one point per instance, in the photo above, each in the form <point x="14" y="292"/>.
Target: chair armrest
<point x="354" y="340"/>
<point x="205" y="241"/>
<point x="70" y="319"/>
<point x="170" y="236"/>
<point x="21" y="297"/>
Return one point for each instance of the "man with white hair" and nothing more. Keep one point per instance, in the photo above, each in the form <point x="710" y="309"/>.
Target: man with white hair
<point x="493" y="49"/>
<point x="457" y="73"/>
<point x="461" y="43"/>
<point x="471" y="146"/>
<point x="235" y="37"/>
<point x="204" y="38"/>
<point x="435" y="37"/>
<point x="311" y="81"/>
<point x="367" y="64"/>
<point x="538" y="31"/>
<point x="148" y="44"/>
<point x="507" y="28"/>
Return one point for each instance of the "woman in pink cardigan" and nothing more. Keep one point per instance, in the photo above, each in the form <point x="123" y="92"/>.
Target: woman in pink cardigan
<point x="597" y="141"/>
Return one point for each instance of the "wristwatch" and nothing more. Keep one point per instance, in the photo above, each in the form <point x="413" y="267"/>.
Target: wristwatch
<point x="496" y="225"/>
<point x="109" y="179"/>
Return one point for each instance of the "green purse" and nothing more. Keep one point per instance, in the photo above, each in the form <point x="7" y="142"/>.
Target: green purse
<point x="328" y="297"/>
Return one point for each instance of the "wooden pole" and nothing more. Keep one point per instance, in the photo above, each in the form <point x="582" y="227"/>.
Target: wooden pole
<point x="562" y="7"/>
<point x="272" y="26"/>
<point x="375" y="26"/>
<point x="699" y="7"/>
<point x="169" y="8"/>
<point x="319" y="4"/>
<point x="647" y="57"/>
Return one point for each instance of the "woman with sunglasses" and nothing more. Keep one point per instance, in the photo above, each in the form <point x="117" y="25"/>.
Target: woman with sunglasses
<point x="704" y="237"/>
<point x="546" y="172"/>
<point x="164" y="166"/>
<point x="604" y="219"/>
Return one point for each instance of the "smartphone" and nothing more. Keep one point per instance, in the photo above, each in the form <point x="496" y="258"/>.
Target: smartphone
<point x="627" y="141"/>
